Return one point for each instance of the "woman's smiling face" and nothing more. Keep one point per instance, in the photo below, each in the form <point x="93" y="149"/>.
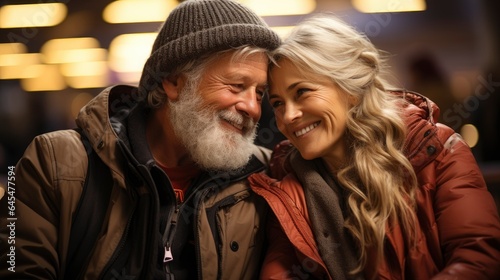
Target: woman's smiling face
<point x="311" y="111"/>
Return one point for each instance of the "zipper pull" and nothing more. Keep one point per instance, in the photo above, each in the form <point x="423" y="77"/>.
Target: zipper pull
<point x="167" y="257"/>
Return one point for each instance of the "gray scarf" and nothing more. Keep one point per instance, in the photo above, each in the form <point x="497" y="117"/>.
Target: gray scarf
<point x="325" y="203"/>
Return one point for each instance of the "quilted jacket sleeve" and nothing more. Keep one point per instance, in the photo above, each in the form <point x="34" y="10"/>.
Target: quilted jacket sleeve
<point x="466" y="216"/>
<point x="49" y="171"/>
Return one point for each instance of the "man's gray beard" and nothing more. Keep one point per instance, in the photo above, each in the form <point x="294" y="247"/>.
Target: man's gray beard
<point x="210" y="145"/>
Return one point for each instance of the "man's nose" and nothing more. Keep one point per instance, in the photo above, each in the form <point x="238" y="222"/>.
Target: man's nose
<point x="249" y="104"/>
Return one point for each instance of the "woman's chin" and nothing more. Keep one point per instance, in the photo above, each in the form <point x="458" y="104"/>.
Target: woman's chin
<point x="307" y="155"/>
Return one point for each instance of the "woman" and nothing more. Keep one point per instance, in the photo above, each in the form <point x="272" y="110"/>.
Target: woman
<point x="376" y="188"/>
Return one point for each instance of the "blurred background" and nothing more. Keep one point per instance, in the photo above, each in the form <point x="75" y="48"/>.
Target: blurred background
<point x="56" y="55"/>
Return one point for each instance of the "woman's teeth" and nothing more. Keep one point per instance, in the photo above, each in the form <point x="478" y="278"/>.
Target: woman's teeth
<point x="306" y="129"/>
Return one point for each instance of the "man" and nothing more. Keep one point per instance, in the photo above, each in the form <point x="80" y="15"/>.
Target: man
<point x="179" y="149"/>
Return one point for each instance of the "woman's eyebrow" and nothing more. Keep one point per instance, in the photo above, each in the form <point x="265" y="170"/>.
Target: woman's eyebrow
<point x="290" y="87"/>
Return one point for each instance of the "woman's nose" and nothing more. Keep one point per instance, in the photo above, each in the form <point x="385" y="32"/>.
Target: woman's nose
<point x="291" y="113"/>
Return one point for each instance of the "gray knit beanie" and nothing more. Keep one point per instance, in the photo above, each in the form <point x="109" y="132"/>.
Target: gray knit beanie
<point x="198" y="27"/>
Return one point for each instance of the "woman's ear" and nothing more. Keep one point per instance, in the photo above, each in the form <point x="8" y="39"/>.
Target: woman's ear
<point x="173" y="85"/>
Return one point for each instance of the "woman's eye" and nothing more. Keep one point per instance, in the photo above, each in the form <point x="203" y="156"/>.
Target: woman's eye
<point x="301" y="91"/>
<point x="275" y="103"/>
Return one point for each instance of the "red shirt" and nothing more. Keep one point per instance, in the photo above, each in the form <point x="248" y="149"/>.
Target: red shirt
<point x="180" y="177"/>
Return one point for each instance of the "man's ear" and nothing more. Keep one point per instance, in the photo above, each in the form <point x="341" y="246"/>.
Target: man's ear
<point x="173" y="85"/>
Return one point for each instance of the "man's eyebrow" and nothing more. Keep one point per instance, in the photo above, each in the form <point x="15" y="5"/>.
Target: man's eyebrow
<point x="245" y="78"/>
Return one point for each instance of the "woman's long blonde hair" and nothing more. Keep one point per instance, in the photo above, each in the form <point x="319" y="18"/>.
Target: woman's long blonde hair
<point x="379" y="179"/>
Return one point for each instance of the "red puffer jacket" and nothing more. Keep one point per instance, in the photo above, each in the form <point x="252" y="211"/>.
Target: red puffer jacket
<point x="458" y="218"/>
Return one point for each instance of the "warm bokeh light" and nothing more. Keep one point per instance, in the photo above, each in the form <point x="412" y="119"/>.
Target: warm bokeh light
<point x="19" y="59"/>
<point x="88" y="74"/>
<point x="470" y="134"/>
<point x="280" y="7"/>
<point x="388" y="6"/>
<point x="48" y="78"/>
<point x="128" y="78"/>
<point x="88" y="81"/>
<point x="63" y="44"/>
<point x="128" y="11"/>
<point x="87" y="68"/>
<point x="12" y="48"/>
<point x="32" y="15"/>
<point x="76" y="55"/>
<point x="18" y="72"/>
<point x="282" y="31"/>
<point x="122" y="47"/>
<point x="17" y="66"/>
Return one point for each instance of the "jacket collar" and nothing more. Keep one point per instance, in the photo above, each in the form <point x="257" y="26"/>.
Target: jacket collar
<point x="103" y="120"/>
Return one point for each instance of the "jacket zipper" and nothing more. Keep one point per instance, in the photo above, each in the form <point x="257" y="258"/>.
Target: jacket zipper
<point x="167" y="257"/>
<point x="169" y="235"/>
<point x="172" y="217"/>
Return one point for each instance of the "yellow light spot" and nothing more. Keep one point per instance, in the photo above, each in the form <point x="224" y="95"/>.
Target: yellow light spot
<point x="62" y="44"/>
<point x="129" y="52"/>
<point x="12" y="48"/>
<point x="389" y="6"/>
<point x="280" y="7"/>
<point x="128" y="11"/>
<point x="470" y="134"/>
<point x="32" y="15"/>
<point x="48" y="79"/>
<point x="18" y="66"/>
<point x="76" y="55"/>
